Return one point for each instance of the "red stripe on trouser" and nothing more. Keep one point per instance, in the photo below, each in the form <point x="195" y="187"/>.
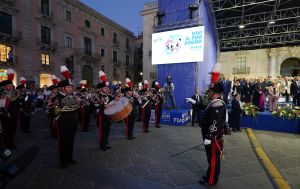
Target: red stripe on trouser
<point x="143" y="118"/>
<point x="100" y="133"/>
<point x="82" y="118"/>
<point x="126" y="125"/>
<point x="156" y="116"/>
<point x="58" y="138"/>
<point x="213" y="163"/>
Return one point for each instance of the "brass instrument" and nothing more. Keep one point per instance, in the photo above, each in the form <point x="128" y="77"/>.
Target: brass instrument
<point x="13" y="95"/>
<point x="161" y="91"/>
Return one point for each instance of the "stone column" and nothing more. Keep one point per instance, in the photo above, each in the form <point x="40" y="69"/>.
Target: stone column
<point x="272" y="72"/>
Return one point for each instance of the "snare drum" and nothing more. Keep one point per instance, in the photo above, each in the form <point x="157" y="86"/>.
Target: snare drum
<point x="119" y="111"/>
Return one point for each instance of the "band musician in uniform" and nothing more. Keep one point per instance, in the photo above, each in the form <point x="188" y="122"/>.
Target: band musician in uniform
<point x="129" y="120"/>
<point x="103" y="100"/>
<point x="159" y="100"/>
<point x="66" y="112"/>
<point x="146" y="100"/>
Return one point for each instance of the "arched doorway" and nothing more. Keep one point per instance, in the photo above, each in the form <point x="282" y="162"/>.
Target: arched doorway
<point x="87" y="74"/>
<point x="290" y="67"/>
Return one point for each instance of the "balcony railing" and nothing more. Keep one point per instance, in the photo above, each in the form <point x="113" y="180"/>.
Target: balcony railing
<point x="13" y="39"/>
<point x="245" y="70"/>
<point x="93" y="57"/>
<point x="10" y="61"/>
<point x="115" y="43"/>
<point x="178" y="24"/>
<point x="117" y="63"/>
<point x="8" y="3"/>
<point x="49" y="48"/>
<point x="128" y="49"/>
<point x="45" y="17"/>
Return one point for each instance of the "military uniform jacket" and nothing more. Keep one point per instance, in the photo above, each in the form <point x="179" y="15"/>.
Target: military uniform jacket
<point x="214" y="120"/>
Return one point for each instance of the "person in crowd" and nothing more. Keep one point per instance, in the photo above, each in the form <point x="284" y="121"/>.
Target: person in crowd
<point x="197" y="107"/>
<point x="226" y="84"/>
<point x="295" y="91"/>
<point x="236" y="112"/>
<point x="273" y="96"/>
<point x="285" y="89"/>
<point x="246" y="92"/>
<point x="146" y="103"/>
<point x="236" y="87"/>
<point x="258" y="95"/>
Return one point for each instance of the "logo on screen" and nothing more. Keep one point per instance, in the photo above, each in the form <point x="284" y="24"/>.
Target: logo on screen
<point x="173" y="44"/>
<point x="165" y="116"/>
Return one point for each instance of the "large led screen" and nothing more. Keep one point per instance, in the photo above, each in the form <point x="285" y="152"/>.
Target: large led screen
<point x="178" y="46"/>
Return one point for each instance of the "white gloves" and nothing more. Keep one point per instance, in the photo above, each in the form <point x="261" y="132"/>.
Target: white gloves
<point x="207" y="142"/>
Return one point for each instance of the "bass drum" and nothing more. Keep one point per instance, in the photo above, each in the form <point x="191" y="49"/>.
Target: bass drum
<point x="119" y="111"/>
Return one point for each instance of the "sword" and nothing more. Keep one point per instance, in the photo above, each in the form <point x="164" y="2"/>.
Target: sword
<point x="187" y="150"/>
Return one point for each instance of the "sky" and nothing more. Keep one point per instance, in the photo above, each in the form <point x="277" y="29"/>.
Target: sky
<point x="124" y="12"/>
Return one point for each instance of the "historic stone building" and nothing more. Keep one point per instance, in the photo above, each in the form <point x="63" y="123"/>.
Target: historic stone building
<point x="37" y="37"/>
<point x="284" y="61"/>
<point x="149" y="14"/>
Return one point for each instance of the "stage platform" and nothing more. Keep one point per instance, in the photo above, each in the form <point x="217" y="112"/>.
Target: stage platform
<point x="178" y="117"/>
<point x="265" y="121"/>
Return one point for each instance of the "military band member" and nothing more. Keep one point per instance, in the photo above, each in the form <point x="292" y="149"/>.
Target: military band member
<point x="133" y="100"/>
<point x="66" y="110"/>
<point x="85" y="109"/>
<point x="213" y="125"/>
<point x="51" y="104"/>
<point x="104" y="100"/>
<point x="10" y="118"/>
<point x="158" y="102"/>
<point x="146" y="103"/>
<point x="26" y="107"/>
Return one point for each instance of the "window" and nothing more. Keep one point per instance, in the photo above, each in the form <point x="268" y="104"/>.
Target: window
<point x="45" y="7"/>
<point x="68" y="41"/>
<point x="5" y="53"/>
<point x="102" y="53"/>
<point x="102" y="68"/>
<point x="45" y="59"/>
<point x="114" y="38"/>
<point x="5" y="23"/>
<point x="102" y="32"/>
<point x="45" y="79"/>
<point x="68" y="16"/>
<point x="115" y="56"/>
<point x="87" y="46"/>
<point x="87" y="23"/>
<point x="127" y="43"/>
<point x="241" y="63"/>
<point x="127" y="74"/>
<point x="127" y="61"/>
<point x="45" y="34"/>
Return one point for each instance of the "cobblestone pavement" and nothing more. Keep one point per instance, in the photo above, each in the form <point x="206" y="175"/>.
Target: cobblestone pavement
<point x="284" y="151"/>
<point x="145" y="162"/>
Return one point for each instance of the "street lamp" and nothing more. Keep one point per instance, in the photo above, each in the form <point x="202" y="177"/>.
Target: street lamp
<point x="141" y="73"/>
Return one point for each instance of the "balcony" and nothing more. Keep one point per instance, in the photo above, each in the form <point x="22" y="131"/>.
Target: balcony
<point x="117" y="63"/>
<point x="153" y="75"/>
<point x="129" y="67"/>
<point x="128" y="50"/>
<point x="91" y="57"/>
<point x="115" y="43"/>
<point x="52" y="47"/>
<point x="178" y="24"/>
<point x="245" y="70"/>
<point x="9" y="39"/>
<point x="8" y="4"/>
<point x="10" y="62"/>
<point x="44" y="17"/>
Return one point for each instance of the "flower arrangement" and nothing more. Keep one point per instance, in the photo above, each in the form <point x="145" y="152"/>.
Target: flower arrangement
<point x="250" y="110"/>
<point x="287" y="112"/>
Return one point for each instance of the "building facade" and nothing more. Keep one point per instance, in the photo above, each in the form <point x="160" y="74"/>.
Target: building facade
<point x="37" y="37"/>
<point x="284" y="61"/>
<point x="149" y="14"/>
<point x="138" y="58"/>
